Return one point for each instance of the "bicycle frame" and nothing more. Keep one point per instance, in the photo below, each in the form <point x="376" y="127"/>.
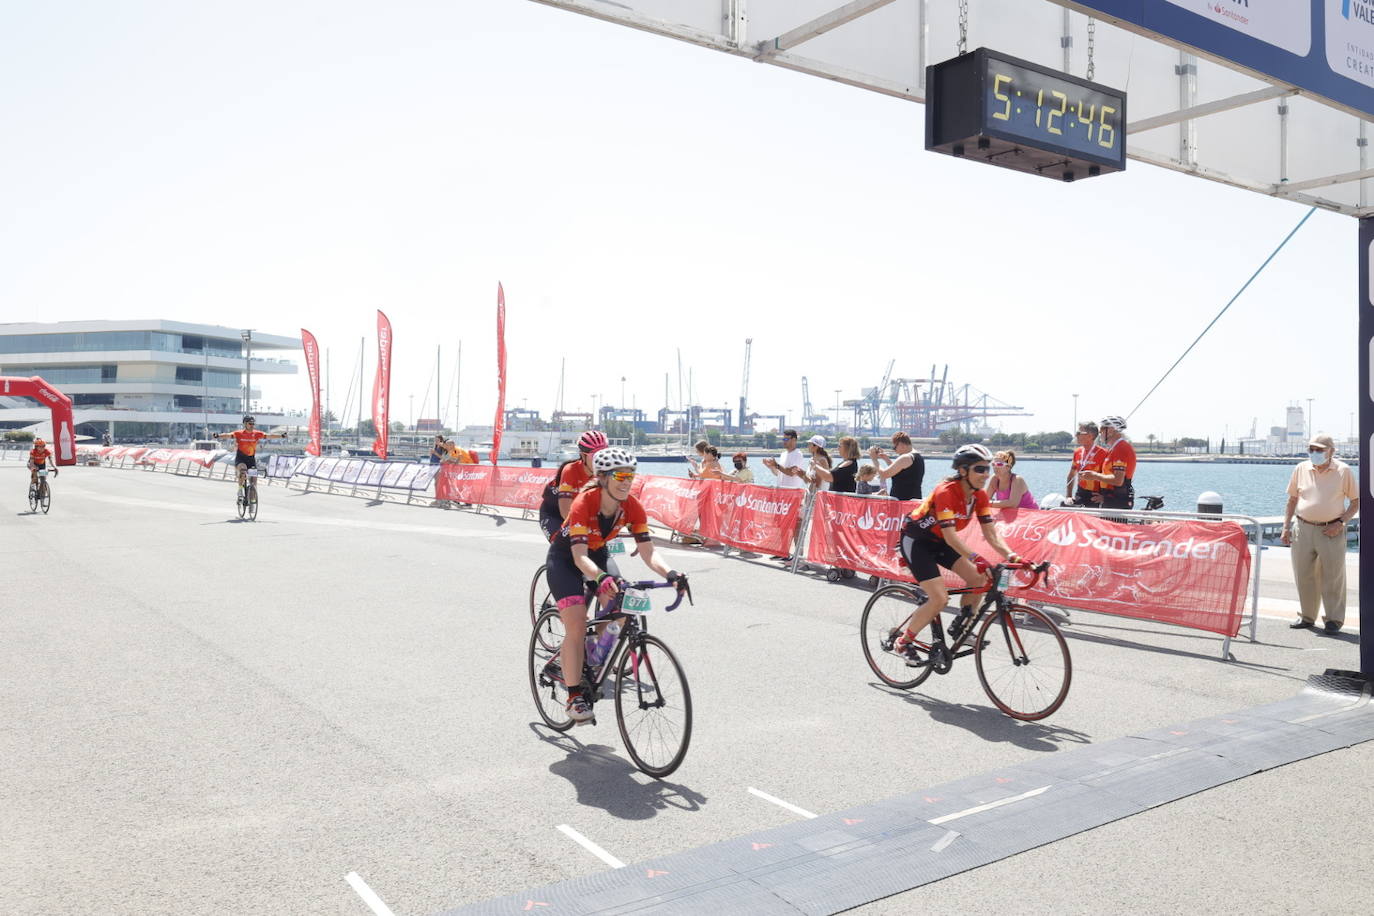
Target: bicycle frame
<point x="632" y="629"/>
<point x="996" y="598"/>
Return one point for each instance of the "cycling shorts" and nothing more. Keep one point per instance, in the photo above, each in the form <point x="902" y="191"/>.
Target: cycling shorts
<point x="925" y="555"/>
<point x="566" y="580"/>
<point x="248" y="461"/>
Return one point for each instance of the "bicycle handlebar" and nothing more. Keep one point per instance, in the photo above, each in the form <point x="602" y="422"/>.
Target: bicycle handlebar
<point x="655" y="583"/>
<point x="1040" y="570"/>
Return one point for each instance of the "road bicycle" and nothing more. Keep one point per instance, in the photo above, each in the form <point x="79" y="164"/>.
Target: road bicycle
<point x="653" y="705"/>
<point x="541" y="598"/>
<point x="1023" y="661"/>
<point x="40" y="494"/>
<point x="247" y="501"/>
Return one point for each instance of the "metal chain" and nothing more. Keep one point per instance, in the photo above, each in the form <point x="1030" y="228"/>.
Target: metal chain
<point x="1092" y="32"/>
<point x="963" y="26"/>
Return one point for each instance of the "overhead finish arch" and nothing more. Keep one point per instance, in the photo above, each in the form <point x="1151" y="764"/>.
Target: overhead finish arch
<point x="63" y="433"/>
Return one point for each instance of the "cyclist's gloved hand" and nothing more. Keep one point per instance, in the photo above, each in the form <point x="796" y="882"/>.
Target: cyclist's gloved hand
<point x="606" y="586"/>
<point x="979" y="563"/>
<point x="679" y="580"/>
<point x="1015" y="558"/>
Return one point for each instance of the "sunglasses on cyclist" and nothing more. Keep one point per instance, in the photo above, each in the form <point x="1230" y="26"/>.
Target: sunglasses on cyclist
<point x="980" y="469"/>
<point x="622" y="476"/>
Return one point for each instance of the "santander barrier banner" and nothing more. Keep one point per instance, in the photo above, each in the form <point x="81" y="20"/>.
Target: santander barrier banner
<point x="144" y="455"/>
<point x="1188" y="573"/>
<point x="741" y="515"/>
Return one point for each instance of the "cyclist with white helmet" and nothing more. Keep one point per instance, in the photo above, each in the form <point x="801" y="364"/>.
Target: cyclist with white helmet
<point x="578" y="559"/>
<point x="567" y="482"/>
<point x="930" y="539"/>
<point x="1115" y="466"/>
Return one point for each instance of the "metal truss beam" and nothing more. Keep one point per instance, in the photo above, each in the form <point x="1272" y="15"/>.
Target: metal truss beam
<point x="1287" y="188"/>
<point x="818" y="26"/>
<point x="1210" y="108"/>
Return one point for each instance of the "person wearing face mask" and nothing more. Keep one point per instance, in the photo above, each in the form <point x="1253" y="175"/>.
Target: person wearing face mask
<point x="1323" y="496"/>
<point x="742" y="472"/>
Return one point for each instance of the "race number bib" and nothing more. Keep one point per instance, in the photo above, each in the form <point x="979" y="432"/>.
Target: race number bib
<point x="616" y="548"/>
<point x="636" y="602"/>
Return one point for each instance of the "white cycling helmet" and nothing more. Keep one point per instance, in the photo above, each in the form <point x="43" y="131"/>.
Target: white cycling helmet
<point x="971" y="454"/>
<point x="608" y="459"/>
<point x="1116" y="423"/>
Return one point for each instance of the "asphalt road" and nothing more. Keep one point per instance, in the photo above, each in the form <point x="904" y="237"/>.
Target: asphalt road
<point x="202" y="715"/>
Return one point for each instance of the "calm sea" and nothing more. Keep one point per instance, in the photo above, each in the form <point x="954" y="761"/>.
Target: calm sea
<point x="1245" y="489"/>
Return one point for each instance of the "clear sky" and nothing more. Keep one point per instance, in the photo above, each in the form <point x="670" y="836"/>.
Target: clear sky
<point x="287" y="165"/>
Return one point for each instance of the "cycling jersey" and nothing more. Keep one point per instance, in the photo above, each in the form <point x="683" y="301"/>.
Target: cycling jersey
<point x="247" y="441"/>
<point x="946" y="507"/>
<point x="1087" y="459"/>
<point x="1119" y="456"/>
<point x="571" y="477"/>
<point x="586" y="525"/>
<point x="39" y="456"/>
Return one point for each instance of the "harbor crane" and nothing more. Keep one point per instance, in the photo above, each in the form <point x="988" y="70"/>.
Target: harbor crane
<point x="809" y="417"/>
<point x="745" y="420"/>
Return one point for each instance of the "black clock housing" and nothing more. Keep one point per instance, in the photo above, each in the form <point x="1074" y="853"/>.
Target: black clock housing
<point x="999" y="109"/>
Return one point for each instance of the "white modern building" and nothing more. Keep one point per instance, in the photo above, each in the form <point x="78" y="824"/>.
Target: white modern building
<point x="143" y="379"/>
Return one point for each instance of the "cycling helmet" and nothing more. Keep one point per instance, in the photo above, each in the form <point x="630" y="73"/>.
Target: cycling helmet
<point x="1115" y="423"/>
<point x="971" y="454"/>
<point x="249" y="419"/>
<point x="38" y="442"/>
<point x="591" y="441"/>
<point x="610" y="458"/>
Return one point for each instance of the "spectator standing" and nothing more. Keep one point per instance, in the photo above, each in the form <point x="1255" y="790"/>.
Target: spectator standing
<point x="843" y="476"/>
<point x="906" y="470"/>
<point x="1085" y="457"/>
<point x="1115" y="467"/>
<point x="694" y="464"/>
<point x="1323" y="496"/>
<point x="742" y="472"/>
<point x="709" y="469"/>
<point x="789" y="468"/>
<point x="865" y="485"/>
<point x="439" y="451"/>
<point x="820" y="460"/>
<point x="1007" y="489"/>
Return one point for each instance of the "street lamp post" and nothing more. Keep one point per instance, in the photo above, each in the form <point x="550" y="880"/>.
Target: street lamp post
<point x="247" y="335"/>
<point x="622" y="392"/>
<point x="1311" y="427"/>
<point x="1075" y="413"/>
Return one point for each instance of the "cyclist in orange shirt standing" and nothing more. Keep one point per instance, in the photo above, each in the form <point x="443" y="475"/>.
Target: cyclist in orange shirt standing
<point x="246" y="442"/>
<point x="1115" y="468"/>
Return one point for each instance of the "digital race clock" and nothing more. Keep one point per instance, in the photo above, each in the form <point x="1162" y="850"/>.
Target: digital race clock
<point x="1005" y="111"/>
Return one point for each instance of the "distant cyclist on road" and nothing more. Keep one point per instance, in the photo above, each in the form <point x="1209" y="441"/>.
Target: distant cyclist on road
<point x="40" y="456"/>
<point x="930" y="539"/>
<point x="246" y="441"/>
<point x="579" y="553"/>
<point x="567" y="482"/>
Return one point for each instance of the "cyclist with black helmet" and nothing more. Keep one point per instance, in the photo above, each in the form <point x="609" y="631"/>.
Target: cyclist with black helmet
<point x="578" y="559"/>
<point x="246" y="442"/>
<point x="1115" y="466"/>
<point x="930" y="539"/>
<point x="569" y="480"/>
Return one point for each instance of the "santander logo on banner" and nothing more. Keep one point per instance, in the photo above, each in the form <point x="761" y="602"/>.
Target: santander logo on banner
<point x="1081" y="533"/>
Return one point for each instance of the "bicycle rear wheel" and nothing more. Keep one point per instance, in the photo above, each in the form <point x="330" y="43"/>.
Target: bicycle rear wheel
<point x="44" y="497"/>
<point x="541" y="600"/>
<point x="653" y="706"/>
<point x="1023" y="662"/>
<point x="550" y="694"/>
<point x="885" y="617"/>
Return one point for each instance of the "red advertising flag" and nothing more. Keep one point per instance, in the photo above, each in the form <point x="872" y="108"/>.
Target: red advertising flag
<point x="381" y="386"/>
<point x="499" y="425"/>
<point x="312" y="370"/>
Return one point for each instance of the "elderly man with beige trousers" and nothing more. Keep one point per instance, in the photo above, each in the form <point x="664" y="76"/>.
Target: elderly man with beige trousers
<point x="1323" y="495"/>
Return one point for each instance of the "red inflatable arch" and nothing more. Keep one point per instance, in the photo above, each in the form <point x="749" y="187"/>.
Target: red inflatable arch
<point x="63" y="432"/>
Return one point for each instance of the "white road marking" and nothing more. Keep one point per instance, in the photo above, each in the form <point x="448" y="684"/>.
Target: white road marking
<point x="591" y="847"/>
<point x="368" y="894"/>
<point x="990" y="805"/>
<point x="949" y="837"/>
<point x="780" y="803"/>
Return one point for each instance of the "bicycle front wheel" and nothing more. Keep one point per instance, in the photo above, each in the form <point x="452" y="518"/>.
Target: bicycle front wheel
<point x="33" y="499"/>
<point x="550" y="693"/>
<point x="241" y="503"/>
<point x="886" y="616"/>
<point x="253" y="504"/>
<point x="653" y="706"/>
<point x="45" y="498"/>
<point x="1023" y="662"/>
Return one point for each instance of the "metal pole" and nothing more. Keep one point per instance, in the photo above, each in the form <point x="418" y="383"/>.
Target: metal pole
<point x="358" y="427"/>
<point x="248" y="370"/>
<point x="439" y="387"/>
<point x="1363" y="342"/>
<point x="205" y="389"/>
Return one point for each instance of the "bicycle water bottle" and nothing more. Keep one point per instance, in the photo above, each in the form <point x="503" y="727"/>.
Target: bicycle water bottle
<point x="600" y="647"/>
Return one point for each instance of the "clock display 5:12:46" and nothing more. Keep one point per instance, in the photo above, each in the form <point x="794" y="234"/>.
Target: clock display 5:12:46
<point x="1028" y="104"/>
